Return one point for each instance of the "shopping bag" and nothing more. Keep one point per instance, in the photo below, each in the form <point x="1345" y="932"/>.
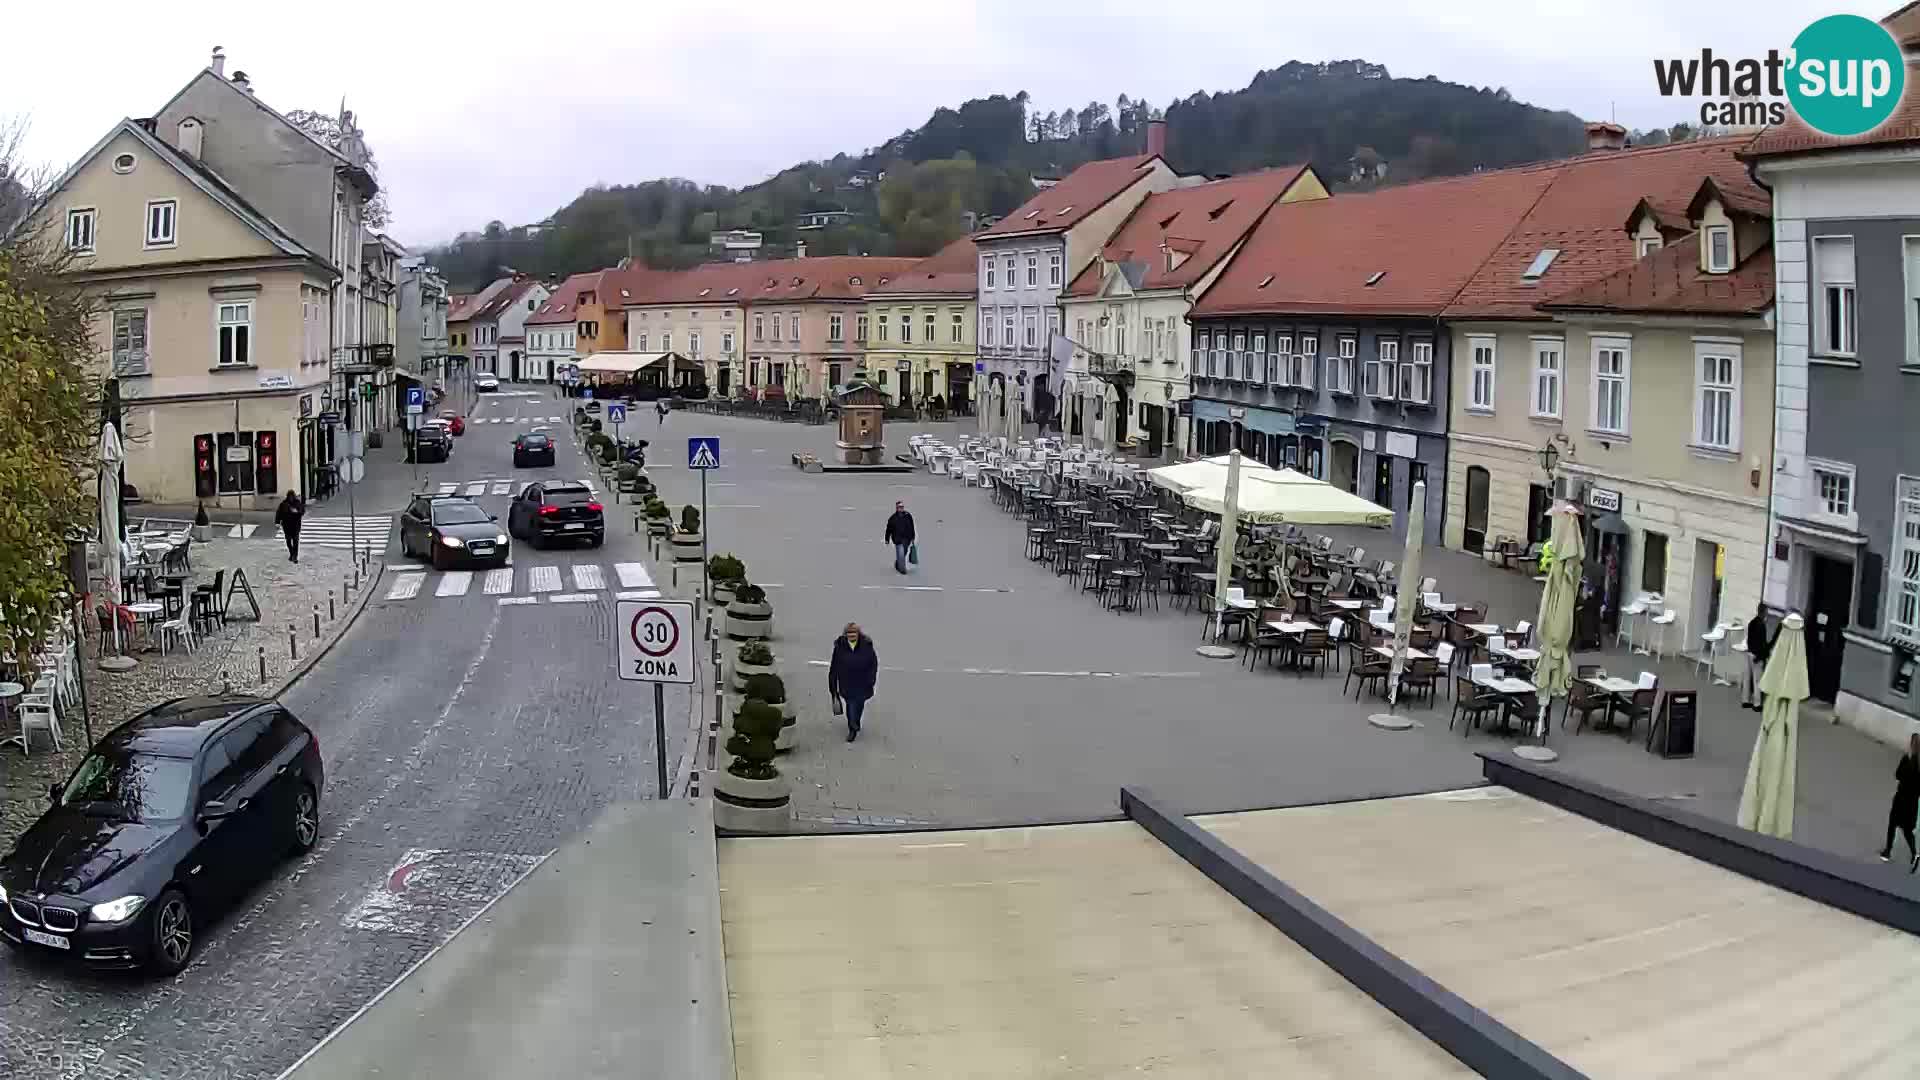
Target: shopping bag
<point x="913" y="554"/>
<point x="837" y="707"/>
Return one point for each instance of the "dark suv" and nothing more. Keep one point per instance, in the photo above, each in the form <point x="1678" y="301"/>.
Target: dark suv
<point x="557" y="510"/>
<point x="432" y="443"/>
<point x="171" y="817"/>
<point x="534" y="448"/>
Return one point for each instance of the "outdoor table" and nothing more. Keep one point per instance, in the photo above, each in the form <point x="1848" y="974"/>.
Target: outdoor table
<point x="1615" y="688"/>
<point x="10" y="695"/>
<point x="1182" y="570"/>
<point x="1348" y="605"/>
<point x="1129" y="589"/>
<point x="1412" y="653"/>
<point x="1160" y="547"/>
<point x="1484" y="629"/>
<point x="1066" y="554"/>
<point x="174" y="596"/>
<point x="1095" y="562"/>
<point x="1444" y="609"/>
<point x="144" y="611"/>
<point x="1525" y="656"/>
<point x="1124" y="538"/>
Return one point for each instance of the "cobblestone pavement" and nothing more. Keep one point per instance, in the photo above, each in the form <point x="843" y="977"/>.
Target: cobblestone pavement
<point x="1007" y="696"/>
<point x="464" y="739"/>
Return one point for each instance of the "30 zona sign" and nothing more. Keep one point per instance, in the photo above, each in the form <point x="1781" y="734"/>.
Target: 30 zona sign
<point x="653" y="641"/>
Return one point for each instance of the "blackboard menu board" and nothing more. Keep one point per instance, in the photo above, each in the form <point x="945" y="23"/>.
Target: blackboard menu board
<point x="1673" y="726"/>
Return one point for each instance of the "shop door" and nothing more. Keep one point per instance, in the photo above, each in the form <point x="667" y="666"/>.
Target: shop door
<point x="1606" y="561"/>
<point x="1479" y="485"/>
<point x="1155" y="430"/>
<point x="1829" y="598"/>
<point x="1122" y="409"/>
<point x="1383" y="480"/>
<point x="1708" y="565"/>
<point x="1346" y="467"/>
<point x="1539" y="505"/>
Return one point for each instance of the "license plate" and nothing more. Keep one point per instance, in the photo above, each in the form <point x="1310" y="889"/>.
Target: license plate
<point x="482" y="549"/>
<point x="574" y="525"/>
<point x="51" y="941"/>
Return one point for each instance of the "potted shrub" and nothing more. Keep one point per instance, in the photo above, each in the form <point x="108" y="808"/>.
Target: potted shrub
<point x="749" y="616"/>
<point x="202" y="525"/>
<point x="773" y="690"/>
<point x="600" y="448"/>
<point x="686" y="539"/>
<point x="725" y="571"/>
<point x="750" y="794"/>
<point x="751" y="659"/>
<point x="659" y="518"/>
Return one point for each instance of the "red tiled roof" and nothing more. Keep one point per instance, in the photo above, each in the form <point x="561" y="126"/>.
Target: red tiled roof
<point x="1580" y="215"/>
<point x="828" y="277"/>
<point x="1904" y="25"/>
<point x="564" y="304"/>
<point x="457" y="305"/>
<point x="516" y="288"/>
<point x="476" y="301"/>
<point x="1077" y="195"/>
<point x="1670" y="282"/>
<point x="1428" y="238"/>
<point x="1795" y="137"/>
<point x="953" y="270"/>
<point x="1203" y="222"/>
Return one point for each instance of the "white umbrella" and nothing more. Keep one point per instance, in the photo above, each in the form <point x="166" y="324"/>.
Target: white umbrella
<point x="1408" y="594"/>
<point x="1223" y="551"/>
<point x="111" y="455"/>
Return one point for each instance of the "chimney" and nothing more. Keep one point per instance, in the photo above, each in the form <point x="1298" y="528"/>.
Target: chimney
<point x="245" y="84"/>
<point x="800" y="250"/>
<point x="188" y="142"/>
<point x="1157" y="138"/>
<point x="219" y="64"/>
<point x="1602" y="135"/>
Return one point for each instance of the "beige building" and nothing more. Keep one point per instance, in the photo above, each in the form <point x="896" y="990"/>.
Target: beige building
<point x="919" y="328"/>
<point x="214" y="320"/>
<point x="696" y="313"/>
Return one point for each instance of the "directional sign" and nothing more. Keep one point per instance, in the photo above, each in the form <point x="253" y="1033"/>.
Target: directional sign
<point x="416" y="400"/>
<point x="616" y="412"/>
<point x="703" y="452"/>
<point x="654" y="641"/>
<point x="330" y="417"/>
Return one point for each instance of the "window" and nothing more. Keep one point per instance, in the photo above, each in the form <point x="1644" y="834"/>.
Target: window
<point x="80" y="230"/>
<point x="883" y="378"/>
<point x="1245" y="364"/>
<point x="1548" y="354"/>
<point x="1719" y="249"/>
<point x="1831" y="494"/>
<point x="793" y="328"/>
<point x="1204" y="347"/>
<point x="836" y="326"/>
<point x="773" y="328"/>
<point x="1305" y="361"/>
<point x="860" y="328"/>
<point x="957" y="332"/>
<point x="906" y="327"/>
<point x="1903" y="617"/>
<point x="759" y="328"/>
<point x="1033" y="329"/>
<point x="640" y="342"/>
<point x="1833" y="275"/>
<point x="1416" y="378"/>
<point x="1275" y="372"/>
<point x="1053" y="269"/>
<point x="160" y="222"/>
<point x="130" y="341"/>
<point x="1381" y="369"/>
<point x="1612" y="370"/>
<point x="236" y="334"/>
<point x="928" y="325"/>
<point x="1033" y="269"/>
<point x="693" y="343"/>
<point x="1006" y="328"/>
<point x="881" y="331"/>
<point x="1480" y="389"/>
<point x="1646" y="245"/>
<point x="1653" y="564"/>
<point x="987" y="267"/>
<point x="666" y="341"/>
<point x="1006" y="267"/>
<point x="986" y="328"/>
<point x="1716" y="396"/>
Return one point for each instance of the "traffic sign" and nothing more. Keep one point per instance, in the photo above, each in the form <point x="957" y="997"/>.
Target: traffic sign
<point x="616" y="412"/>
<point x="703" y="452"/>
<point x="356" y="470"/>
<point x="330" y="417"/>
<point x="587" y="392"/>
<point x="416" y="400"/>
<point x="654" y="641"/>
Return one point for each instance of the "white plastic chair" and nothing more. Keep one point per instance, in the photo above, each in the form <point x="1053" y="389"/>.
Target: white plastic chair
<point x="1430" y="585"/>
<point x="1628" y="616"/>
<point x="971" y="476"/>
<point x="1648" y="680"/>
<point x="1358" y="554"/>
<point x="1496" y="643"/>
<point x="1660" y="623"/>
<point x="35" y="710"/>
<point x="1443" y="652"/>
<point x="1709" y="657"/>
<point x="1481" y="673"/>
<point x="179" y="629"/>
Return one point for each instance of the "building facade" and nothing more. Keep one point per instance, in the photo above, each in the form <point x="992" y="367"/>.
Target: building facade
<point x="497" y="325"/>
<point x="422" y="340"/>
<point x="698" y="313"/>
<point x="1844" y="542"/>
<point x="805" y="316"/>
<point x="555" y="332"/>
<point x="918" y="330"/>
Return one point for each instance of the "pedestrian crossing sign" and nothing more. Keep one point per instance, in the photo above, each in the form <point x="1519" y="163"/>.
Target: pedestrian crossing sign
<point x="703" y="452"/>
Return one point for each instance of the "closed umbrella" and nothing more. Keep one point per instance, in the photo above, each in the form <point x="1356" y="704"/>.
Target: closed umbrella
<point x="1223" y="555"/>
<point x="111" y="455"/>
<point x="1554" y="673"/>
<point x="1408" y="590"/>
<point x="1766" y="802"/>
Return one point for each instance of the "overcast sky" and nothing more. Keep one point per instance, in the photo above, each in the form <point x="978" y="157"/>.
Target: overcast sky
<point x="479" y="113"/>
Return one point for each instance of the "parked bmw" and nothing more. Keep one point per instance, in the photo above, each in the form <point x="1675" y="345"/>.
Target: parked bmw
<point x="170" y="818"/>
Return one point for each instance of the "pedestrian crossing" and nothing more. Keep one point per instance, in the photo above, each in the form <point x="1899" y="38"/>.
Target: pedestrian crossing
<point x="362" y="533"/>
<point x="517" y="586"/>
<point x="514" y="420"/>
<point x="495" y="486"/>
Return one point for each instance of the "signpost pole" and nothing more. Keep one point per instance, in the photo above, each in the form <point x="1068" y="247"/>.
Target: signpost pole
<point x="706" y="530"/>
<point x="660" y="735"/>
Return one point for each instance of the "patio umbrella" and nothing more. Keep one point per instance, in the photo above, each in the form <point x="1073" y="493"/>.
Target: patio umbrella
<point x="1407" y="591"/>
<point x="111" y="455"/>
<point x="1207" y="472"/>
<point x="1229" y="536"/>
<point x="1554" y="674"/>
<point x="1766" y="802"/>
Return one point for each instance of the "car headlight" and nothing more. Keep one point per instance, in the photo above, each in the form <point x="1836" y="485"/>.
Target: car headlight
<point x="118" y="910"/>
<point x="501" y="539"/>
<point x="453" y="541"/>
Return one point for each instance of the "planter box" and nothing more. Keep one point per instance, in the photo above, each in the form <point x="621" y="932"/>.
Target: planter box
<point x="785" y="740"/>
<point x="741" y="672"/>
<point x="723" y="592"/>
<point x="686" y="547"/>
<point x="742" y="805"/>
<point x="659" y="527"/>
<point x="203" y="533"/>
<point x="746" y="621"/>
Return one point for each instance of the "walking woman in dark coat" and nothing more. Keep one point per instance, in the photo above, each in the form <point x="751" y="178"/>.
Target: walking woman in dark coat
<point x="852" y="674"/>
<point x="1906" y="801"/>
<point x="292" y="509"/>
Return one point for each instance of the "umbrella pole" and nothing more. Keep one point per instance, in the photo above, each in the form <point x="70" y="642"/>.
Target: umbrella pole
<point x="1223" y="560"/>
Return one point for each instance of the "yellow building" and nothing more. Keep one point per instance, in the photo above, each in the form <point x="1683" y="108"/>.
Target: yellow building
<point x="919" y="328"/>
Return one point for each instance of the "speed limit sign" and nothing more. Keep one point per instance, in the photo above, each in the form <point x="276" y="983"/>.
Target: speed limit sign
<point x="654" y="641"/>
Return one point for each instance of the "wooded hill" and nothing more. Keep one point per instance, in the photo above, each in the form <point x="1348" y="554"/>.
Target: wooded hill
<point x="1357" y="124"/>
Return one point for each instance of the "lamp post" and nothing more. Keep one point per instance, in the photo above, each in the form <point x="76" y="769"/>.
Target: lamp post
<point x="1549" y="461"/>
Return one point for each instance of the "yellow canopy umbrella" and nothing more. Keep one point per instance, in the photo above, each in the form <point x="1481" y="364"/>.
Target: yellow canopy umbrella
<point x="1766" y="802"/>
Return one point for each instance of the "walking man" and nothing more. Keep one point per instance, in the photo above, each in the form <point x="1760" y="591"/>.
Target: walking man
<point x="900" y="535"/>
<point x="660" y="412"/>
<point x="1759" y="647"/>
<point x="851" y="675"/>
<point x="1906" y="801"/>
<point x="288" y="516"/>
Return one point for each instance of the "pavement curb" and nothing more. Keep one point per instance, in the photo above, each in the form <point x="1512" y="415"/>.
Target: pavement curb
<point x="300" y="669"/>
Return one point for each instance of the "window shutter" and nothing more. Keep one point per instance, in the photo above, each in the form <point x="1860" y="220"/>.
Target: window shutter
<point x="1833" y="260"/>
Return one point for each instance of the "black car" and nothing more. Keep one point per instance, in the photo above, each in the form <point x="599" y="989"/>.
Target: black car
<point x="557" y="510"/>
<point x="451" y="530"/>
<point x="432" y="443"/>
<point x="532" y="449"/>
<point x="170" y="818"/>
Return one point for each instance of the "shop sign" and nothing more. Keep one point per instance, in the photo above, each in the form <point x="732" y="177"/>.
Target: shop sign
<point x="1605" y="499"/>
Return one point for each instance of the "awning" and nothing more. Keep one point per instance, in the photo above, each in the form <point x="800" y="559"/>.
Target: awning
<point x="1609" y="523"/>
<point x="621" y="363"/>
<point x="1277" y="496"/>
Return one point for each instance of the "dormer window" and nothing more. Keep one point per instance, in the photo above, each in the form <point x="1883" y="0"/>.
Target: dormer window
<point x="1067" y="209"/>
<point x="1645" y="246"/>
<point x="1266" y="281"/>
<point x="1375" y="278"/>
<point x="854" y="280"/>
<point x="1719" y="242"/>
<point x="704" y="292"/>
<point x="735" y="291"/>
<point x="1537" y="269"/>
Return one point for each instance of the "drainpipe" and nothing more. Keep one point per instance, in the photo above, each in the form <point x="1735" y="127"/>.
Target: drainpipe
<point x="1773" y="431"/>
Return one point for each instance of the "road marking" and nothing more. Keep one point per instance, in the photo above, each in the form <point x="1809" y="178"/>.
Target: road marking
<point x="586" y="577"/>
<point x="478" y="487"/>
<point x="1041" y="674"/>
<point x="633" y="575"/>
<point x="923" y="847"/>
<point x="545" y="579"/>
<point x="242" y="532"/>
<point x="553" y="419"/>
<point x="515" y="601"/>
<point x="407" y="585"/>
<point x="455" y="583"/>
<point x="448" y="489"/>
<point x="909" y="588"/>
<point x="498" y="581"/>
<point x="571" y="598"/>
<point x="502" y="487"/>
<point x="734" y="506"/>
<point x="638" y="594"/>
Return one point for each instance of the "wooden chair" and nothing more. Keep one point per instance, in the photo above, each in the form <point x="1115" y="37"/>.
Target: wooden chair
<point x="1366" y="666"/>
<point x="1471" y="703"/>
<point x="1640" y="706"/>
<point x="1583" y="701"/>
<point x="1313" y="650"/>
<point x="1422" y="675"/>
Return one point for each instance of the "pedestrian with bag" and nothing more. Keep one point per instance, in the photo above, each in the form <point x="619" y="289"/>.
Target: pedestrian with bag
<point x="1759" y="648"/>
<point x="851" y="676"/>
<point x="1906" y="804"/>
<point x="900" y="534"/>
<point x="292" y="509"/>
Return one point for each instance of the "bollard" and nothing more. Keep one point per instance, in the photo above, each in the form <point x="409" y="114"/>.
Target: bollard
<point x="316" y="622"/>
<point x="293" y="643"/>
<point x="636" y="523"/>
<point x="263" y="663"/>
<point x="330" y="613"/>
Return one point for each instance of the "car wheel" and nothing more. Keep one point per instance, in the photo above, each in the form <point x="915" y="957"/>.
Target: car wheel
<point x="595" y="541"/>
<point x="173" y="933"/>
<point x="306" y="819"/>
<point x="439" y="558"/>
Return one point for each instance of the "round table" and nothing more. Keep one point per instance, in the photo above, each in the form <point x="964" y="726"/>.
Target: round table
<point x="144" y="611"/>
<point x="10" y="695"/>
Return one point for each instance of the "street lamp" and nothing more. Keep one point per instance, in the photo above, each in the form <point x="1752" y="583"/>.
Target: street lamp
<point x="1549" y="459"/>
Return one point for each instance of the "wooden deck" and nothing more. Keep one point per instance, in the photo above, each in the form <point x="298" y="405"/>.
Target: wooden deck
<point x="1067" y="951"/>
<point x="1622" y="958"/>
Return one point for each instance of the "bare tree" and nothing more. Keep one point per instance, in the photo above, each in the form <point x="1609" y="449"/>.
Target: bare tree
<point x="327" y="129"/>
